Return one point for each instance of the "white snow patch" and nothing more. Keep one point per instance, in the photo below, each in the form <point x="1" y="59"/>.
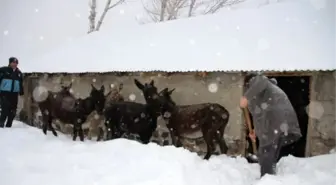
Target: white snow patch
<point x="240" y="47"/>
<point x="31" y="158"/>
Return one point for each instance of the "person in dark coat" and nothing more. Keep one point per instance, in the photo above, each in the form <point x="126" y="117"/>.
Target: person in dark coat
<point x="11" y="85"/>
<point x="275" y="121"/>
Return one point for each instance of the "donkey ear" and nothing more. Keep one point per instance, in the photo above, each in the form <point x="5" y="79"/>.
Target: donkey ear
<point x="171" y="91"/>
<point x="70" y="85"/>
<point x="102" y="88"/>
<point x="151" y="83"/>
<point x="138" y="84"/>
<point x="93" y="87"/>
<point x="163" y="91"/>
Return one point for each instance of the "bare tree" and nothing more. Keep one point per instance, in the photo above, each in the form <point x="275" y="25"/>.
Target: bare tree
<point x="165" y="10"/>
<point x="93" y="26"/>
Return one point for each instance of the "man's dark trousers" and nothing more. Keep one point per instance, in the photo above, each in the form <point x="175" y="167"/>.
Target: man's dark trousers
<point x="9" y="103"/>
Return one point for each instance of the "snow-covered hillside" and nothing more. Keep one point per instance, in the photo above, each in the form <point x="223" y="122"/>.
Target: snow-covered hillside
<point x="28" y="157"/>
<point x="30" y="28"/>
<point x="293" y="35"/>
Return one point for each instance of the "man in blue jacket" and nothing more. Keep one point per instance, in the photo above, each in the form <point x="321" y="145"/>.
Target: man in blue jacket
<point x="11" y="85"/>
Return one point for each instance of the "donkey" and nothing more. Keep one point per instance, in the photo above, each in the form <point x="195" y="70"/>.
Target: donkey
<point x="67" y="109"/>
<point x="206" y="120"/>
<point x="95" y="122"/>
<point x="127" y="118"/>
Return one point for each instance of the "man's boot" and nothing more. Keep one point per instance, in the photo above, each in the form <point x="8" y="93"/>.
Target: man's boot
<point x="10" y="119"/>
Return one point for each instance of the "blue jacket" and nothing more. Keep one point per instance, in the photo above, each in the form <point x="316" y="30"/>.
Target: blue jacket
<point x="11" y="81"/>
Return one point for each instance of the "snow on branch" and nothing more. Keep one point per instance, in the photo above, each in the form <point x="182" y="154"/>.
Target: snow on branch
<point x="93" y="26"/>
<point x="165" y="10"/>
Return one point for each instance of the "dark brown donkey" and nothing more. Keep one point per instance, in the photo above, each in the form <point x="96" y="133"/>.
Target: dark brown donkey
<point x="207" y="120"/>
<point x="66" y="108"/>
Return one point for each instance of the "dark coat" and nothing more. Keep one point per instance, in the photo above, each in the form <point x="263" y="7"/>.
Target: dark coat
<point x="272" y="112"/>
<point x="11" y="81"/>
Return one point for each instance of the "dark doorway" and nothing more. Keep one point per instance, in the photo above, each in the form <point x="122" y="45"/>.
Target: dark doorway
<point x="297" y="89"/>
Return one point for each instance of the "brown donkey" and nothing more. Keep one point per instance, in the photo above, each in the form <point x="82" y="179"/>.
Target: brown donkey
<point x="95" y="122"/>
<point x="207" y="120"/>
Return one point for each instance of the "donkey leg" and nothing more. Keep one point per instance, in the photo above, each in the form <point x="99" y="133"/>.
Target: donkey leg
<point x="221" y="141"/>
<point x="208" y="138"/>
<point x="100" y="134"/>
<point x="80" y="132"/>
<point x="75" y="132"/>
<point x="45" y="120"/>
<point x="51" y="127"/>
<point x="90" y="134"/>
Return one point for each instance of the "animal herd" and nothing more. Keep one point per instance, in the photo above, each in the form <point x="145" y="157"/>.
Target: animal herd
<point x="110" y="116"/>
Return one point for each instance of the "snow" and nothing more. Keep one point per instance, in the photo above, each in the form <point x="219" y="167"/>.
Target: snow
<point x="31" y="158"/>
<point x="284" y="36"/>
<point x="57" y="25"/>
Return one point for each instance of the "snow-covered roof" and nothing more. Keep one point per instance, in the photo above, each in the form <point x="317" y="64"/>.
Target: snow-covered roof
<point x="284" y="36"/>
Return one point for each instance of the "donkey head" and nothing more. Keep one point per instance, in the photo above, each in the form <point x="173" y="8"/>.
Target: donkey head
<point x="98" y="98"/>
<point x="150" y="94"/>
<point x="168" y="104"/>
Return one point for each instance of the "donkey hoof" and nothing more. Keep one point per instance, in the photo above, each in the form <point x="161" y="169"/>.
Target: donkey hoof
<point x="55" y="134"/>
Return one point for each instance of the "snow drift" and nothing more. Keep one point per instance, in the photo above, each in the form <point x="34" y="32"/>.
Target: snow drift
<point x="28" y="157"/>
<point x="293" y="35"/>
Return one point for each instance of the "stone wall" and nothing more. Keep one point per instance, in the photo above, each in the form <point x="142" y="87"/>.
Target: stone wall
<point x="222" y="88"/>
<point x="322" y="113"/>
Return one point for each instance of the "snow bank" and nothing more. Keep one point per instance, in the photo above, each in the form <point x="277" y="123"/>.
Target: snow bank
<point x="289" y="35"/>
<point x="31" y="158"/>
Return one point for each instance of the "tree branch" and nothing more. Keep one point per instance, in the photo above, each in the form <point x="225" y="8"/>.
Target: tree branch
<point x="108" y="7"/>
<point x="92" y="16"/>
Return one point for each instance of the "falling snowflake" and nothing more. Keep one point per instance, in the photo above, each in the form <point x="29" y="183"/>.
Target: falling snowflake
<point x="284" y="128"/>
<point x="217" y="28"/>
<point x="40" y="93"/>
<point x="315" y="109"/>
<point x="315" y="22"/>
<point x="112" y="86"/>
<point x="263" y="44"/>
<point x="213" y="87"/>
<point x="96" y="116"/>
<point x="132" y="97"/>
<point x="219" y="54"/>
<point x="71" y="91"/>
<point x="94" y="80"/>
<point x="151" y="44"/>
<point x="41" y="38"/>
<point x="318" y="4"/>
<point x="224" y="116"/>
<point x="36" y="10"/>
<point x="264" y="105"/>
<point x="77" y="15"/>
<point x="275" y="131"/>
<point x="69" y="39"/>
<point x="233" y="78"/>
<point x="122" y="11"/>
<point x="218" y="79"/>
<point x="143" y="115"/>
<point x="192" y="41"/>
<point x="238" y="28"/>
<point x="6" y="32"/>
<point x="302" y="80"/>
<point x="167" y="114"/>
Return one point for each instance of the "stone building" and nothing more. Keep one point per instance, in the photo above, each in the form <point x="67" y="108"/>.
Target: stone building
<point x="298" y="52"/>
<point x="312" y="94"/>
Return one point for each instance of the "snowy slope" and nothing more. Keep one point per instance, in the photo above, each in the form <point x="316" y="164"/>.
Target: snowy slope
<point x="291" y="35"/>
<point x="30" y="158"/>
<point x="31" y="28"/>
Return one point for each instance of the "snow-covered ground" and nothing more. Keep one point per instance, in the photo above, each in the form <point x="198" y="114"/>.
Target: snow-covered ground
<point x="30" y="158"/>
